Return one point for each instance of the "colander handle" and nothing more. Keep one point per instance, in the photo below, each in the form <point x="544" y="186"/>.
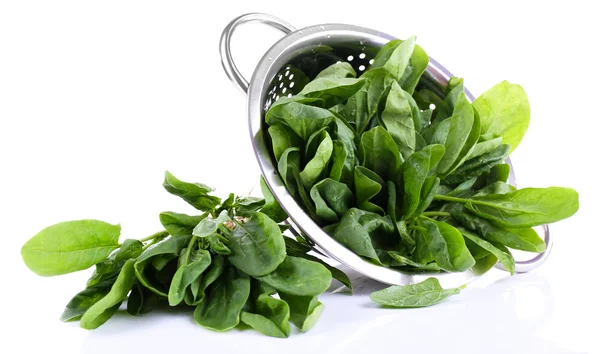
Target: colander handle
<point x="531" y="264"/>
<point x="225" y="44"/>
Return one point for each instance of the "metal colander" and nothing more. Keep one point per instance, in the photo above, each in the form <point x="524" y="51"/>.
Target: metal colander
<point x="283" y="71"/>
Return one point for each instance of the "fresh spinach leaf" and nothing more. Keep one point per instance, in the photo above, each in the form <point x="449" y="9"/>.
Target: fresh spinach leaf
<point x="498" y="251"/>
<point x="304" y="310"/>
<point x="70" y="246"/>
<point x="379" y="153"/>
<point x="447" y="246"/>
<point x="504" y="111"/>
<point x="298" y="276"/>
<point x="419" y="166"/>
<point x="257" y="246"/>
<point x="332" y="199"/>
<point x="220" y="309"/>
<point x="192" y="264"/>
<point x="427" y="293"/>
<point x="105" y="308"/>
<point x="271" y="318"/>
<point x="196" y="194"/>
<point x="180" y="224"/>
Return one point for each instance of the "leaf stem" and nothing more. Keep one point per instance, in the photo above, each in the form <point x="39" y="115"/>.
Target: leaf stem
<point x="190" y="246"/>
<point x="435" y="213"/>
<point x="450" y="199"/>
<point x="159" y="234"/>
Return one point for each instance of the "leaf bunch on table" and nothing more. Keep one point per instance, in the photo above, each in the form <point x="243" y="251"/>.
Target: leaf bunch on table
<point x="225" y="264"/>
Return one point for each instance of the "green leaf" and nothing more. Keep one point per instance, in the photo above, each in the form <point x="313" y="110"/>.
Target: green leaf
<point x="196" y="194"/>
<point x="393" y="211"/>
<point x="399" y="121"/>
<point x="271" y="317"/>
<point x="405" y="261"/>
<point x="427" y="293"/>
<point x="526" y="207"/>
<point x="498" y="251"/>
<point x="303" y="119"/>
<point x="364" y="104"/>
<point x="483" y="147"/>
<point x="246" y="206"/>
<point x="271" y="208"/>
<point x="196" y="291"/>
<point x="455" y="134"/>
<point x="504" y="112"/>
<point x="296" y="249"/>
<point x="190" y="270"/>
<point x="524" y="239"/>
<point x="379" y="153"/>
<point x="395" y="56"/>
<point x="368" y="185"/>
<point x="338" y="70"/>
<point x="209" y="226"/>
<point x="478" y="165"/>
<point x="447" y="246"/>
<point x="317" y="165"/>
<point x="419" y="166"/>
<point x="220" y="309"/>
<point x="358" y="229"/>
<point x="70" y="246"/>
<point x="257" y="246"/>
<point x="304" y="310"/>
<point x="299" y="276"/>
<point x="110" y="267"/>
<point x="332" y="90"/>
<point x="288" y="165"/>
<point x="146" y="266"/>
<point x="332" y="199"/>
<point x="81" y="302"/>
<point x="102" y="311"/>
<point x="180" y="224"/>
<point x="283" y="138"/>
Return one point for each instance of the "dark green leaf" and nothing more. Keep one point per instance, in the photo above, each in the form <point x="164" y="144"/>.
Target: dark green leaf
<point x="271" y="208"/>
<point x="332" y="199"/>
<point x="357" y="229"/>
<point x="257" y="246"/>
<point x="498" y="251"/>
<point x="191" y="269"/>
<point x="209" y="226"/>
<point x="524" y="239"/>
<point x="305" y="310"/>
<point x="299" y="276"/>
<point x="180" y="224"/>
<point x="81" y="302"/>
<point x="283" y="138"/>
<point x="220" y="309"/>
<point x="379" y="153"/>
<point x="271" y="317"/>
<point x="303" y="119"/>
<point x="416" y="170"/>
<point x="165" y="251"/>
<point x="196" y="194"/>
<point x="102" y="311"/>
<point x="447" y="246"/>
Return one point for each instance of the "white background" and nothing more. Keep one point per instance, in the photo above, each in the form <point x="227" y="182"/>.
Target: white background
<point x="99" y="98"/>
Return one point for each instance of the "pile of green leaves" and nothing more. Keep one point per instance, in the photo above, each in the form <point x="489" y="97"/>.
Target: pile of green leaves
<point x="224" y="264"/>
<point x="408" y="175"/>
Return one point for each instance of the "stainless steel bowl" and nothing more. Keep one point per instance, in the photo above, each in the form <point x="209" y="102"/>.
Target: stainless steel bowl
<point x="279" y="73"/>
